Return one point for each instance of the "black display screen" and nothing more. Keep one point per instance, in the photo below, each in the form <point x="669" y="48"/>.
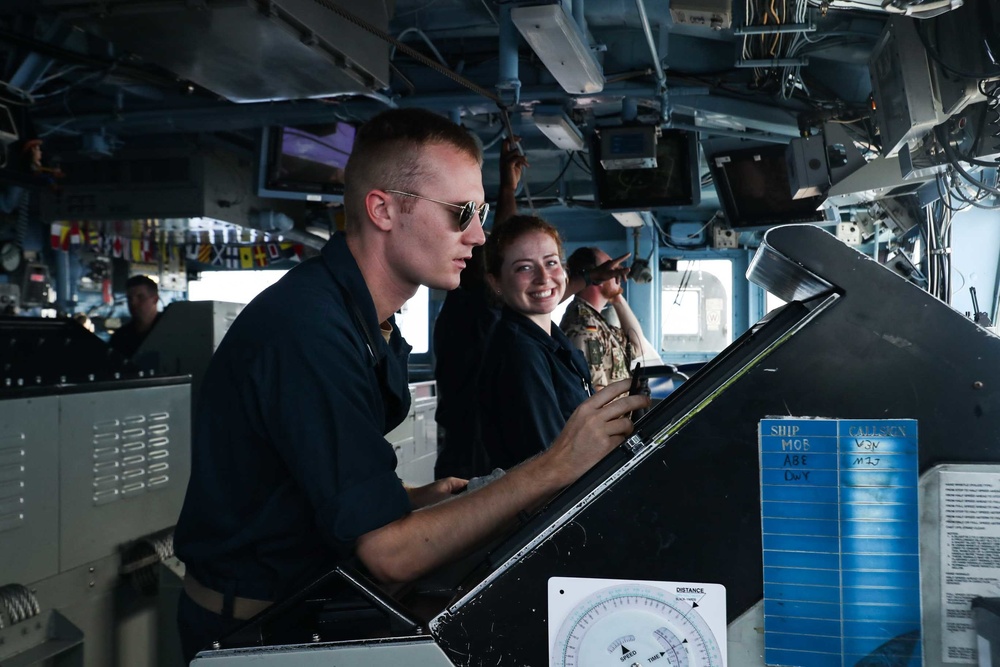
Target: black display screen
<point x="673" y="182"/>
<point x="754" y="189"/>
<point x="309" y="158"/>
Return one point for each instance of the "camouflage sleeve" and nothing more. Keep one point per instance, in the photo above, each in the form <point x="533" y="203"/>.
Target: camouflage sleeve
<point x="623" y="342"/>
<point x="621" y="356"/>
<point x="587" y="336"/>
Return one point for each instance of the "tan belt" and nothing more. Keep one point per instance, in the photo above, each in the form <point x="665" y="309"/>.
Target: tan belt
<point x="243" y="608"/>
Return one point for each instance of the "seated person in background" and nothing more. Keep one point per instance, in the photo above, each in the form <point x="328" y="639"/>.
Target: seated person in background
<point x="609" y="350"/>
<point x="143" y="298"/>
<point x="532" y="378"/>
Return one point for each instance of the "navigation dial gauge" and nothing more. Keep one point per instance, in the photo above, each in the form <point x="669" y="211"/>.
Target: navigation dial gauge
<point x="637" y="625"/>
<point x="10" y="256"/>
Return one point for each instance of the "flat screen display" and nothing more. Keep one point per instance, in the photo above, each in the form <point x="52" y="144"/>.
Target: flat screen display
<point x="304" y="160"/>
<point x="672" y="182"/>
<point x="754" y="189"/>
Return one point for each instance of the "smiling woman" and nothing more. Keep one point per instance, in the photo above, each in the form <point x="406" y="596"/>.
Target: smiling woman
<point x="532" y="377"/>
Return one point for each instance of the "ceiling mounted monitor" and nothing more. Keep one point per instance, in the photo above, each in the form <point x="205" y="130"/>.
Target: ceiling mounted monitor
<point x="629" y="147"/>
<point x="673" y="181"/>
<point x="305" y="161"/>
<point x="754" y="189"/>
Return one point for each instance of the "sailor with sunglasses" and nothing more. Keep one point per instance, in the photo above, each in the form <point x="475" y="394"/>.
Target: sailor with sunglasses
<point x="291" y="473"/>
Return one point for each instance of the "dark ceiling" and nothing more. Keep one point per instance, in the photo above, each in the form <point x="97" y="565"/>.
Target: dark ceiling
<point x="102" y="77"/>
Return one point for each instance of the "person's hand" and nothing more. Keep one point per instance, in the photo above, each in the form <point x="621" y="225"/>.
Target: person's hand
<point x="610" y="269"/>
<point x="512" y="164"/>
<point x="435" y="492"/>
<point x="597" y="426"/>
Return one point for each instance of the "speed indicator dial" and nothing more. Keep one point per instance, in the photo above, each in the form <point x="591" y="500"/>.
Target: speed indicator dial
<point x="635" y="624"/>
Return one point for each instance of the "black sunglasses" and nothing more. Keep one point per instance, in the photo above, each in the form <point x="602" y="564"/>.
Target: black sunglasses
<point x="468" y="209"/>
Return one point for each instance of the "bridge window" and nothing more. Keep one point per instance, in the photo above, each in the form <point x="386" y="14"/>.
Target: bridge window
<point x="696" y="307"/>
<point x="771" y="302"/>
<point x="232" y="286"/>
<point x="413" y="320"/>
<point x="243" y="286"/>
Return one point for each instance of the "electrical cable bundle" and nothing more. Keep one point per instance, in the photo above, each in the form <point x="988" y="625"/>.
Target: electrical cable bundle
<point x="141" y="560"/>
<point x="937" y="239"/>
<point x="773" y="46"/>
<point x="18" y="603"/>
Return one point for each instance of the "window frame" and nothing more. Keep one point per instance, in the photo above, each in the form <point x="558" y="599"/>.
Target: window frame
<point x="739" y="308"/>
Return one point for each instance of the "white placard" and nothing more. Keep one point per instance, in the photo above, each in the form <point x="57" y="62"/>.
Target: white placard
<point x="970" y="556"/>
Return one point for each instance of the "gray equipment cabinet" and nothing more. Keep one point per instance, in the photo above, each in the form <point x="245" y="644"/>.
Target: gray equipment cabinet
<point x="415" y="440"/>
<point x="92" y="477"/>
<point x="185" y="337"/>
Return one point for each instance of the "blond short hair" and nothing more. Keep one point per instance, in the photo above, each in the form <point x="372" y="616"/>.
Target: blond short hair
<point x="388" y="152"/>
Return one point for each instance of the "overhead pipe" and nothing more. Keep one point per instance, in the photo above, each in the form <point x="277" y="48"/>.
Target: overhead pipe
<point x="509" y="83"/>
<point x="578" y="16"/>
<point x="32" y="70"/>
<point x="661" y="77"/>
<point x="256" y="115"/>
<point x="440" y="100"/>
<point x="416" y="55"/>
<point x="723" y="132"/>
<point x="43" y="47"/>
<point x="419" y="33"/>
<point x="576" y="9"/>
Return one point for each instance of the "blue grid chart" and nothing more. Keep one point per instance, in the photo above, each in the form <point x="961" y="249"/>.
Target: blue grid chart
<point x="841" y="542"/>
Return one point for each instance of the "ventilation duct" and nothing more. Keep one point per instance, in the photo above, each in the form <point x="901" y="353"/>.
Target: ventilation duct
<point x="245" y="50"/>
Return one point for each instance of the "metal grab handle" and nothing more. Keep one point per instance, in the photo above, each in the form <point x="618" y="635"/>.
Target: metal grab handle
<point x="377" y="597"/>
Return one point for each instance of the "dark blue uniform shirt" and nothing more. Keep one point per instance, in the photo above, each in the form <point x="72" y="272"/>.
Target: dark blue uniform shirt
<point x="127" y="338"/>
<point x="530" y="384"/>
<point x="289" y="462"/>
<point x="461" y="332"/>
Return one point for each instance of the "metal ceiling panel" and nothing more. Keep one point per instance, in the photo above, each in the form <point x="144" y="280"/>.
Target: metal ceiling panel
<point x="245" y="50"/>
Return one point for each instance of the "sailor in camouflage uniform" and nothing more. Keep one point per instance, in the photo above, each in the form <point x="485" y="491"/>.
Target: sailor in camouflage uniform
<point x="609" y="350"/>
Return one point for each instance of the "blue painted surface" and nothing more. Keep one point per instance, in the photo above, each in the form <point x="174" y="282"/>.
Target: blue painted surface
<point x="841" y="543"/>
<point x="975" y="243"/>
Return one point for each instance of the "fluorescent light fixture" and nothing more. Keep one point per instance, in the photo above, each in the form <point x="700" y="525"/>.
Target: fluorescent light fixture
<point x="629" y="218"/>
<point x="556" y="125"/>
<point x="554" y="36"/>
